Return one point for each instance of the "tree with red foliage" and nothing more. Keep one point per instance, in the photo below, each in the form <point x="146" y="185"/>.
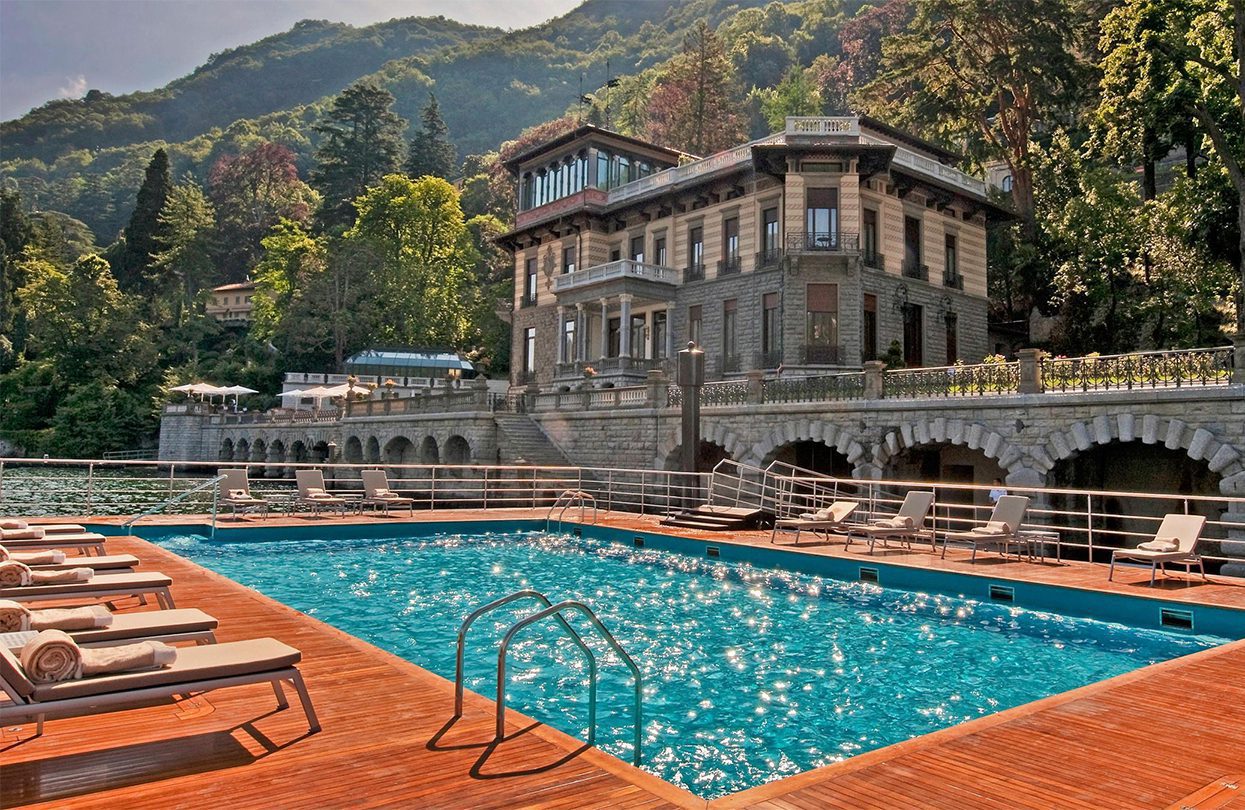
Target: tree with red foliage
<point x="696" y="104"/>
<point x="252" y="192"/>
<point x="860" y="41"/>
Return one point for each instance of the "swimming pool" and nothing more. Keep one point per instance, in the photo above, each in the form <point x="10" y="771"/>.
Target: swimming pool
<point x="751" y="674"/>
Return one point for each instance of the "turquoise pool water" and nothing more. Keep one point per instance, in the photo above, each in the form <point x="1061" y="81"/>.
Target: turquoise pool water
<point x="750" y="674"/>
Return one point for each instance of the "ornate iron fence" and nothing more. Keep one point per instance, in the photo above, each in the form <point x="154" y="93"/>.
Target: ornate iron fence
<point x="814" y="389"/>
<point x="1196" y="367"/>
<point x="729" y="266"/>
<point x="915" y="270"/>
<point x="724" y="393"/>
<point x="695" y="272"/>
<point x="953" y="381"/>
<point x="823" y="241"/>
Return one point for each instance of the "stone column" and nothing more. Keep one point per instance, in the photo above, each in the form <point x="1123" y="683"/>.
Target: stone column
<point x="580" y="343"/>
<point x="1030" y="371"/>
<point x="1238" y="359"/>
<point x="561" y="334"/>
<point x="624" y="333"/>
<point x="605" y="328"/>
<point x="873" y="379"/>
<point x="756" y="390"/>
<point x="657" y="388"/>
<point x="648" y="351"/>
<point x="669" y="330"/>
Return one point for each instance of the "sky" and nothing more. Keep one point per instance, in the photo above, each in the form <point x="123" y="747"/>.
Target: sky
<point x="62" y="48"/>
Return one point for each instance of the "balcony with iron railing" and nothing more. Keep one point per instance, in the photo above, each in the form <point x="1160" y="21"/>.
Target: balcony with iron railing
<point x="730" y="364"/>
<point x="820" y="355"/>
<point x="953" y="280"/>
<point x="695" y="272"/>
<point x="729" y="266"/>
<point x="916" y="270"/>
<point x="872" y="258"/>
<point x="769" y="258"/>
<point x="618" y="269"/>
<point x="527" y="301"/>
<point x="823" y="242"/>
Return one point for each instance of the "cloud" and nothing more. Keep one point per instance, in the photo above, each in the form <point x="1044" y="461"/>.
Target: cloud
<point x="75" y="87"/>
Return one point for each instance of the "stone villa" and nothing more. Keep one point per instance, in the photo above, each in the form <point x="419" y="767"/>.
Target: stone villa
<point x="812" y="249"/>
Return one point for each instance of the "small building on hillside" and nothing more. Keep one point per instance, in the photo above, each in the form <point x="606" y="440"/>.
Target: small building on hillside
<point x="810" y="250"/>
<point x="231" y="303"/>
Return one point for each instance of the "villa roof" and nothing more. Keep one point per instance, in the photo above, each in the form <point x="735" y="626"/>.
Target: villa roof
<point x="590" y="129"/>
<point x="410" y="358"/>
<point x="241" y="285"/>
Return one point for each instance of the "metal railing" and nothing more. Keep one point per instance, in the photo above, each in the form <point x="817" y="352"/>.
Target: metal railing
<point x="1168" y="369"/>
<point x="213" y="484"/>
<point x="567" y="500"/>
<point x="814" y="389"/>
<point x="769" y="258"/>
<point x="730" y="266"/>
<point x="954" y="281"/>
<point x="916" y="270"/>
<point x="822" y="242"/>
<point x="872" y="258"/>
<point x="693" y="272"/>
<point x="953" y="381"/>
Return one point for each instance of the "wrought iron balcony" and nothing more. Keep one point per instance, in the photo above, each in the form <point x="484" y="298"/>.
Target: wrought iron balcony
<point x="527" y="301"/>
<point x="620" y="268"/>
<point x="915" y="270"/>
<point x="953" y="280"/>
<point x="769" y="359"/>
<point x="729" y="266"/>
<point x="769" y="258"/>
<point x="820" y="355"/>
<point x="695" y="272"/>
<point x="729" y="363"/>
<point x="872" y="258"/>
<point x="823" y="242"/>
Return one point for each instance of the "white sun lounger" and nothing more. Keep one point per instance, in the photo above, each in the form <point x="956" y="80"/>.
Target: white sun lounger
<point x="236" y="481"/>
<point x="375" y="484"/>
<point x="310" y="487"/>
<point x="1184" y="531"/>
<point x="101" y="586"/>
<point x="906" y="525"/>
<point x="1001" y="530"/>
<point x="829" y="519"/>
<point x="83" y="543"/>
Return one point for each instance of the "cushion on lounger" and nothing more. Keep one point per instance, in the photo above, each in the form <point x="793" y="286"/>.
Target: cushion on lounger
<point x="225" y="660"/>
<point x="1161" y="544"/>
<point x="103" y="582"/>
<point x="993" y="527"/>
<point x="149" y="623"/>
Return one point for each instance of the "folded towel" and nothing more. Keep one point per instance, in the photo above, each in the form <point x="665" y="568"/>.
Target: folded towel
<point x="14" y="574"/>
<point x="14" y="616"/>
<point x="1161" y="544"/>
<point x="52" y="557"/>
<point x="83" y="618"/>
<point x="897" y="522"/>
<point x="127" y="658"/>
<point x="52" y="656"/>
<point x="992" y="527"/>
<point x="238" y="495"/>
<point x="383" y="493"/>
<point x="21" y="534"/>
<point x="313" y="492"/>
<point x="14" y="524"/>
<point x="322" y="496"/>
<point x="60" y="576"/>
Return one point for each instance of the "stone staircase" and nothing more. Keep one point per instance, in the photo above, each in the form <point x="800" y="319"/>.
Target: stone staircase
<point x="523" y="442"/>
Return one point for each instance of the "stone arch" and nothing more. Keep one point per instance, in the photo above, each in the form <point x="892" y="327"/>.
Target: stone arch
<point x="371" y="453"/>
<point x="242" y="450"/>
<point x="716" y="433"/>
<point x="457" y="450"/>
<point x="1197" y="443"/>
<point x="840" y="439"/>
<point x="320" y="452"/>
<point x="400" y="450"/>
<point x="352" y="451"/>
<point x="276" y="451"/>
<point x="956" y="432"/>
<point x="708" y="457"/>
<point x="226" y="450"/>
<point x="298" y="452"/>
<point x="429" y="452"/>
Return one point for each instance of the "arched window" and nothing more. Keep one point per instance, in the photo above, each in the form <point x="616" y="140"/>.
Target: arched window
<point x="1006" y="183"/>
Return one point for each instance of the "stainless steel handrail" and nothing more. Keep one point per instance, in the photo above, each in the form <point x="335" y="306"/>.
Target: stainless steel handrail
<point x="214" y="483"/>
<point x="505" y="600"/>
<point x="556" y="610"/>
<point x="572" y="496"/>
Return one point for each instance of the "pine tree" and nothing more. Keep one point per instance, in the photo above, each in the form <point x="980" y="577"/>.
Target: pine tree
<point x="695" y="106"/>
<point x="431" y="152"/>
<point x="361" y="143"/>
<point x="143" y="233"/>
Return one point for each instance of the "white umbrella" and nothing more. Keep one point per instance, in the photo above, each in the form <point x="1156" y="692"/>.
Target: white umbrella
<point x="188" y="388"/>
<point x="237" y="390"/>
<point x="345" y="389"/>
<point x="297" y="392"/>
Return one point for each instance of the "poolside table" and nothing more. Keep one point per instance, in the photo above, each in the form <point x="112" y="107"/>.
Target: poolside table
<point x="1040" y="538"/>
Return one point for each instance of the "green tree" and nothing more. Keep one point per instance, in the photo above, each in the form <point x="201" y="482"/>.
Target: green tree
<point x="144" y="232"/>
<point x="695" y="103"/>
<point x="431" y="152"/>
<point x="16" y="233"/>
<point x="360" y="142"/>
<point x="185" y="257"/>
<point x="1165" y="55"/>
<point x="415" y="233"/>
<point x="291" y="256"/>
<point x="985" y="73"/>
<point x="794" y="95"/>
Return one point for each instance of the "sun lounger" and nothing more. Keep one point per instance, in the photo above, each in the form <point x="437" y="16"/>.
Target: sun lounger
<point x="197" y="669"/>
<point x="113" y="563"/>
<point x="312" y="493"/>
<point x="236" y="489"/>
<point x="829" y="519"/>
<point x="376" y="492"/>
<point x="1173" y="543"/>
<point x="101" y="586"/>
<point x="169" y="626"/>
<point x="83" y="543"/>
<point x="906" y="525"/>
<point x="48" y="528"/>
<point x="1000" y="531"/>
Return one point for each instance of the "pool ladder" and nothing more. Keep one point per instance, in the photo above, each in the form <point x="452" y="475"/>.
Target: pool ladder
<point x="569" y="499"/>
<point x="555" y="611"/>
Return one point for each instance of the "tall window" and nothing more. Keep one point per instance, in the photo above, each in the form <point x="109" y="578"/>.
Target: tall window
<point x="953" y="338"/>
<point x="869" y="347"/>
<point x="695" y="317"/>
<point x="821" y="218"/>
<point x="637" y="249"/>
<point x="769" y="235"/>
<point x="730" y="242"/>
<point x="696" y="247"/>
<point x="869" y="237"/>
<point x="568" y="259"/>
<point x="950" y="254"/>
<point x="730" y="344"/>
<point x="660" y="327"/>
<point x="911" y="246"/>
<point x="821" y="329"/>
<point x="529" y="350"/>
<point x="615" y="253"/>
<point x="603" y="170"/>
<point x="568" y="341"/>
<point x="637" y="336"/>
<point x="913" y="336"/>
<point x="659" y="250"/>
<point x="614" y="336"/>
<point x="771" y="328"/>
<point x="529" y="285"/>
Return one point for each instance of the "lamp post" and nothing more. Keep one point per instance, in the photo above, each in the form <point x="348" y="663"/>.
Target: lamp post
<point x="690" y="378"/>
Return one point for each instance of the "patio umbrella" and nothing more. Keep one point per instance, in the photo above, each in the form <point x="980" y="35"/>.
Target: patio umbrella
<point x="345" y="389"/>
<point x="237" y="390"/>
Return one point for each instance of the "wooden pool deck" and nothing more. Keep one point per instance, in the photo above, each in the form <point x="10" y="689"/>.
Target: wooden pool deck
<point x="1169" y="735"/>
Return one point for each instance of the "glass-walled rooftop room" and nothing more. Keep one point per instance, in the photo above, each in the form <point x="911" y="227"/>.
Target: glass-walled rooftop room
<point x="592" y="167"/>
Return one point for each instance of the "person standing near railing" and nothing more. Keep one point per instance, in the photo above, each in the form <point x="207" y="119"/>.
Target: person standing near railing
<point x="997" y="490"/>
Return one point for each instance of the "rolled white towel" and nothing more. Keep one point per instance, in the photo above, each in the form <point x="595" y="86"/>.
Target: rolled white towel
<point x="51" y="657"/>
<point x="14" y="574"/>
<point x="14" y="616"/>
